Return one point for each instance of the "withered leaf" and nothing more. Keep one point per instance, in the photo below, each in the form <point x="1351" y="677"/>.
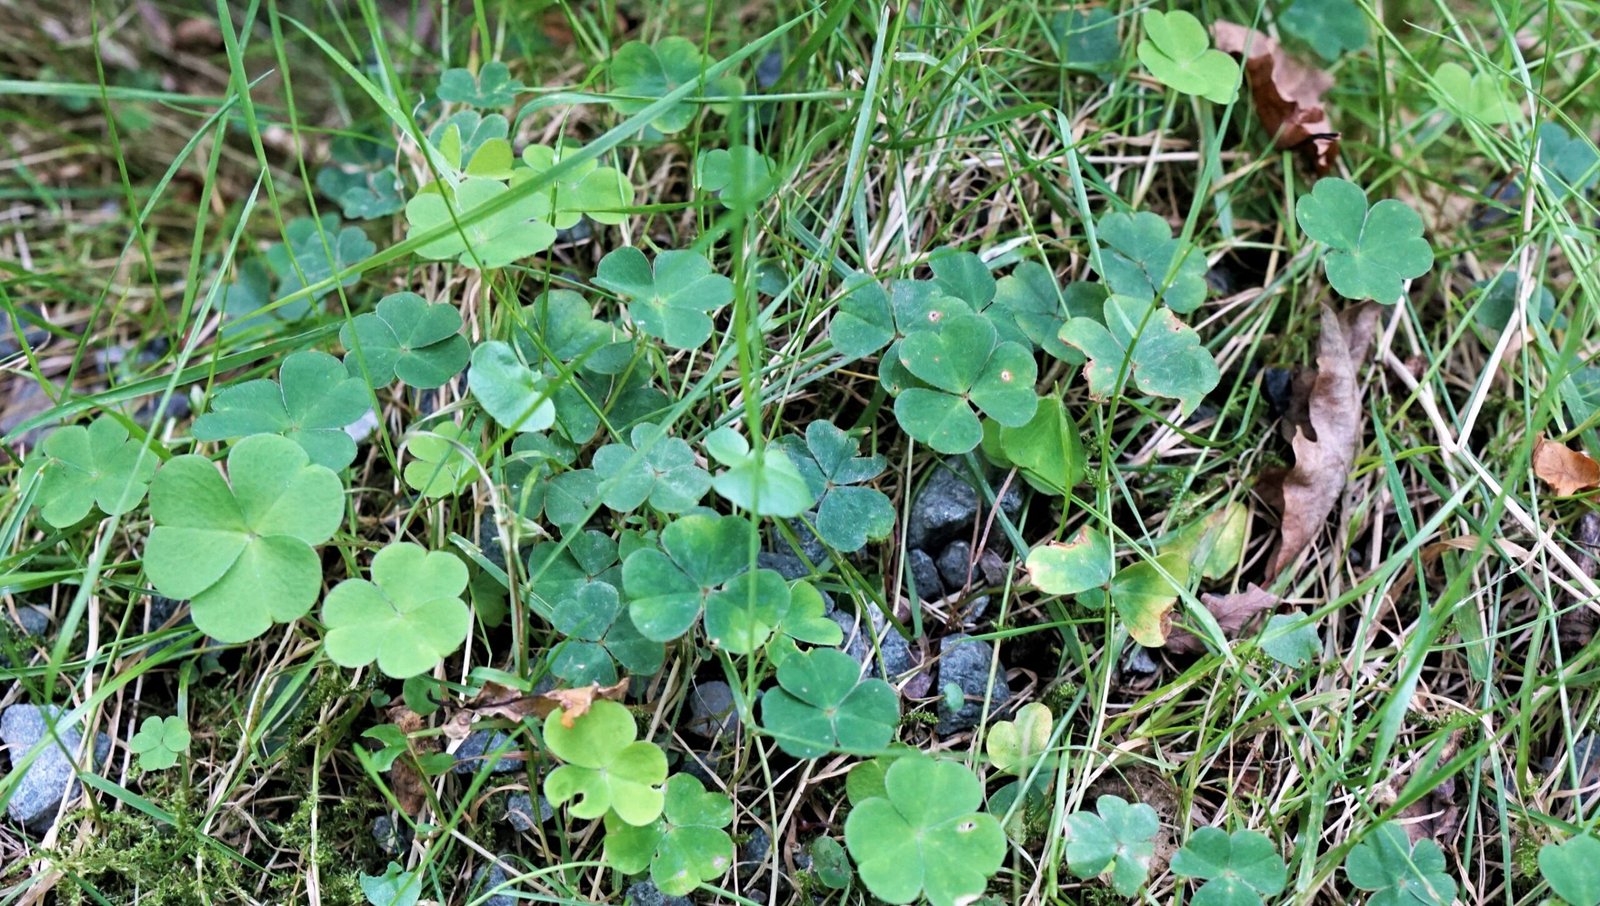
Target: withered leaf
<point x="1565" y="470"/>
<point x="1288" y="93"/>
<point x="409" y="786"/>
<point x="1324" y="455"/>
<point x="1233" y="613"/>
<point x="496" y="700"/>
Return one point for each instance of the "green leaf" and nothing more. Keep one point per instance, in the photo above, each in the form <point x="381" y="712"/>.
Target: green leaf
<point x="823" y="705"/>
<point x="1239" y="870"/>
<point x="568" y="331"/>
<point x="159" y="742"/>
<point x="1398" y="873"/>
<point x="963" y="275"/>
<point x="1178" y="52"/>
<point x="667" y="588"/>
<point x="1291" y="639"/>
<point x="408" y="618"/>
<point x="480" y="241"/>
<point x="1475" y="95"/>
<point x="1058" y="568"/>
<point x="670" y="299"/>
<point x="601" y="193"/>
<point x="1031" y="299"/>
<point x="1332" y="27"/>
<point x="245" y="554"/>
<point x="395" y="887"/>
<point x="1142" y="259"/>
<point x="1087" y="38"/>
<point x="1047" y="449"/>
<point x="81" y="467"/>
<point x="251" y="291"/>
<point x="763" y="481"/>
<point x="644" y="73"/>
<point x="926" y="837"/>
<point x="362" y="194"/>
<point x="407" y="338"/>
<point x="1499" y="303"/>
<point x="805" y="618"/>
<point x="605" y="769"/>
<point x="1572" y="869"/>
<point x="741" y="177"/>
<point x="1213" y="544"/>
<point x="1165" y="358"/>
<point x="1371" y="252"/>
<point x="1567" y="163"/>
<point x="741" y="616"/>
<point x="314" y="250"/>
<point x="964" y="364"/>
<point x="847" y="515"/>
<point x="443" y="460"/>
<point x="862" y="323"/>
<point x="830" y="864"/>
<point x="513" y="394"/>
<point x="493" y="87"/>
<point x="312" y="401"/>
<point x="685" y="848"/>
<point x="1017" y="746"/>
<point x="1144" y="598"/>
<point x="657" y="469"/>
<point x="459" y="138"/>
<point x="1120" y="839"/>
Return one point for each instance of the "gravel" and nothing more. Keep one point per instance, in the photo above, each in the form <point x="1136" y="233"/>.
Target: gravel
<point x="964" y="661"/>
<point x="36" y="798"/>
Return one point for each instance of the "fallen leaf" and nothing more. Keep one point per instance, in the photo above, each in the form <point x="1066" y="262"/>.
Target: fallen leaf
<point x="496" y="700"/>
<point x="409" y="786"/>
<point x="1565" y="470"/>
<point x="1437" y="815"/>
<point x="1233" y="613"/>
<point x="1288" y="93"/>
<point x="1325" y="447"/>
<point x="1576" y="625"/>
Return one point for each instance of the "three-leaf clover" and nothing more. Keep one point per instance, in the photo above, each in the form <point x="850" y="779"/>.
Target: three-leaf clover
<point x="652" y="467"/>
<point x="443" y="461"/>
<point x="1067" y="568"/>
<point x="925" y="837"/>
<point x="1178" y="52"/>
<point x="460" y="138"/>
<point x="763" y="481"/>
<point x="408" y="618"/>
<point x="80" y="468"/>
<point x="1144" y="598"/>
<point x="493" y="86"/>
<point x="1143" y="259"/>
<point x="1572" y="869"/>
<point x="244" y="555"/>
<point x="848" y="513"/>
<point x="1332" y="27"/>
<point x="863" y="321"/>
<point x="314" y="250"/>
<point x="670" y="299"/>
<point x="606" y="769"/>
<point x="644" y="73"/>
<point x="1121" y="839"/>
<point x="362" y="193"/>
<point x="477" y="240"/>
<point x="312" y="401"/>
<point x="1087" y="38"/>
<point x="1397" y="873"/>
<point x="741" y="177"/>
<point x="513" y="394"/>
<point x="602" y="193"/>
<point x="1163" y="355"/>
<point x="1371" y="252"/>
<point x="668" y="587"/>
<point x="684" y="848"/>
<point x="395" y="887"/>
<point x="1567" y="162"/>
<point x="408" y="338"/>
<point x="159" y="742"/>
<point x="963" y="364"/>
<point x="823" y="705"/>
<point x="576" y="589"/>
<point x="1239" y="870"/>
<point x="1030" y="298"/>
<point x="1476" y="95"/>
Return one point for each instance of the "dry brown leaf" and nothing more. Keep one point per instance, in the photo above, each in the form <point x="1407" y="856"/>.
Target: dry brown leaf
<point x="495" y="700"/>
<point x="1437" y="815"/>
<point x="1565" y="470"/>
<point x="409" y="786"/>
<point x="1324" y="449"/>
<point x="1288" y="93"/>
<point x="1233" y="613"/>
<point x="1576" y="625"/>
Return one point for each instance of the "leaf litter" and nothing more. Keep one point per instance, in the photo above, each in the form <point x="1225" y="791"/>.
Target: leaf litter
<point x="1288" y="94"/>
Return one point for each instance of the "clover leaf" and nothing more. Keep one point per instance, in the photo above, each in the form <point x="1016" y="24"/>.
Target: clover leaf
<point x="823" y="705"/>
<point x="1332" y="27"/>
<point x="443" y="461"/>
<point x="513" y="394"/>
<point x="1030" y="298"/>
<point x="1048" y="449"/>
<point x="829" y="863"/>
<point x="602" y="193"/>
<point x="606" y="770"/>
<point x="1371" y="252"/>
<point x="964" y="365"/>
<point x="1476" y="95"/>
<point x="407" y="338"/>
<point x="312" y="401"/>
<point x="1017" y="746"/>
<point x="493" y="86"/>
<point x="667" y="588"/>
<point x="644" y="73"/>
<point x="670" y="299"/>
<point x="1178" y="52"/>
<point x="1239" y="870"/>
<point x="80" y="468"/>
<point x="743" y="614"/>
<point x="1058" y="568"/>
<point x="1119" y="839"/>
<point x="159" y="742"/>
<point x="848" y="515"/>
<point x="805" y="619"/>
<point x="243" y="301"/>
<point x="863" y="322"/>
<point x="460" y="138"/>
<point x="684" y="848"/>
<point x="925" y="837"/>
<point x="567" y="330"/>
<point x="1165" y="358"/>
<point x="1572" y="869"/>
<point x="1144" y="598"/>
<point x="1397" y="873"/>
<point x="1141" y="258"/>
<point x="243" y="554"/>
<point x="362" y="193"/>
<point x="576" y="589"/>
<point x="1567" y="162"/>
<point x="655" y="468"/>
<point x="395" y="887"/>
<point x="315" y="249"/>
<point x="741" y="177"/>
<point x="1087" y="38"/>
<point x="408" y="618"/>
<point x="476" y="240"/>
<point x="763" y="481"/>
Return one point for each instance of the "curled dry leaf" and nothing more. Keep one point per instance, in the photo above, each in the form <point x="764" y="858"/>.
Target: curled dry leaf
<point x="496" y="700"/>
<point x="1233" y="613"/>
<point x="1576" y="625"/>
<point x="1288" y="93"/>
<point x="409" y="786"/>
<point x="1437" y="815"/>
<point x="1565" y="470"/>
<point x="1324" y="448"/>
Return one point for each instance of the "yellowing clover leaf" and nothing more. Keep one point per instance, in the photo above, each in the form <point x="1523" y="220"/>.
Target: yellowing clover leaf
<point x="684" y="848"/>
<point x="245" y="554"/>
<point x="600" y="192"/>
<point x="475" y="239"/>
<point x="312" y="401"/>
<point x="963" y="365"/>
<point x="1371" y="252"/>
<point x="1144" y="598"/>
<point x="408" y="618"/>
<point x="669" y="300"/>
<point x="1178" y="52"/>
<point x="1071" y="567"/>
<point x="605" y="769"/>
<point x="1477" y="95"/>
<point x="80" y="468"/>
<point x="493" y="86"/>
<point x="159" y="742"/>
<point x="1163" y="355"/>
<point x="407" y="338"/>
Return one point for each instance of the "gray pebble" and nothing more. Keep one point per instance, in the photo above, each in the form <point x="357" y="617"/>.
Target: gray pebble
<point x="926" y="575"/>
<point x="755" y="850"/>
<point x="521" y="814"/>
<point x="473" y="749"/>
<point x="784" y="564"/>
<point x="392" y="839"/>
<point x="52" y="777"/>
<point x="712" y="711"/>
<point x="492" y="877"/>
<point x="947" y="505"/>
<point x="645" y="893"/>
<point x="896" y="651"/>
<point x="30" y="619"/>
<point x="769" y="69"/>
<point x="964" y="661"/>
<point x="953" y="564"/>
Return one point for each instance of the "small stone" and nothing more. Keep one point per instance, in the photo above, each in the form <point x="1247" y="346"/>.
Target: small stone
<point x="581" y="231"/>
<point x="645" y="893"/>
<point x="475" y="747"/>
<point x="896" y="651"/>
<point x="492" y="877"/>
<point x="521" y="814"/>
<point x="160" y="612"/>
<point x="712" y="711"/>
<point x="964" y="662"/>
<point x="1502" y="199"/>
<point x="392" y="839"/>
<point x="1277" y="386"/>
<point x="925" y="573"/>
<point x="1139" y="669"/>
<point x="755" y="850"/>
<point x="954" y="563"/>
<point x="784" y="564"/>
<point x="947" y="505"/>
<point x="29" y="619"/>
<point x="812" y="547"/>
<point x="769" y="69"/>
<point x="37" y="796"/>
